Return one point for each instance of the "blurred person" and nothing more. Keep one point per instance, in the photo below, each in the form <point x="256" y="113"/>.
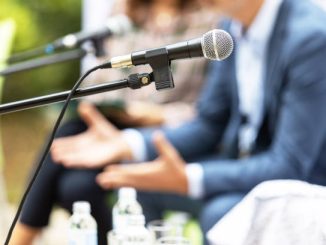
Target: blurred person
<point x="157" y="23"/>
<point x="261" y="113"/>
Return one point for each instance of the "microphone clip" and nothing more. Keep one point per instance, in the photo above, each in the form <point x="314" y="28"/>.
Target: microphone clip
<point x="98" y="44"/>
<point x="158" y="59"/>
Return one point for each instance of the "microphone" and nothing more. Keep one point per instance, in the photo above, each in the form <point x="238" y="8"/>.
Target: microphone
<point x="214" y="45"/>
<point x="116" y="25"/>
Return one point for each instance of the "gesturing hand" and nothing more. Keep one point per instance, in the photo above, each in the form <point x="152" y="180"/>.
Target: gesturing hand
<point x="166" y="173"/>
<point x="99" y="145"/>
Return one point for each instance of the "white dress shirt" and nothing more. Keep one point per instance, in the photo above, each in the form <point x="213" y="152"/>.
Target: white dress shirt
<point x="251" y="48"/>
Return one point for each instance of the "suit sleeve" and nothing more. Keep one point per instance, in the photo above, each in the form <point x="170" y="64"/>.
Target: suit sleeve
<point x="299" y="135"/>
<point x="202" y="134"/>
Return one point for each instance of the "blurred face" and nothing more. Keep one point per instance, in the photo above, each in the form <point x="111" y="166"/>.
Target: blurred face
<point x="229" y="7"/>
<point x="242" y="10"/>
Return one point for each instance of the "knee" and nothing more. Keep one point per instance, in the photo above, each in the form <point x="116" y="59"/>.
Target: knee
<point x="210" y="214"/>
<point x="146" y="198"/>
<point x="71" y="128"/>
<point x="79" y="185"/>
<point x="148" y="202"/>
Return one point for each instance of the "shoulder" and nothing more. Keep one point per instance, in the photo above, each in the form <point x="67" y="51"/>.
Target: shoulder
<point x="306" y="26"/>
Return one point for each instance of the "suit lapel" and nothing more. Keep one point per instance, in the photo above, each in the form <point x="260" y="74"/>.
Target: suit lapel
<point x="273" y="80"/>
<point x="230" y="141"/>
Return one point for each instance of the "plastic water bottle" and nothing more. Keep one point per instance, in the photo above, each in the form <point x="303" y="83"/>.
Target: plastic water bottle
<point x="126" y="206"/>
<point x="82" y="226"/>
<point x="135" y="234"/>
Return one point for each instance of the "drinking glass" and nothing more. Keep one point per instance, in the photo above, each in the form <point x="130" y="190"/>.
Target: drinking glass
<point x="173" y="240"/>
<point x="161" y="228"/>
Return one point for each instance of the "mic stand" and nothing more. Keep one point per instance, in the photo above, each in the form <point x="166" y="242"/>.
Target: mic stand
<point x="49" y="49"/>
<point x="134" y="81"/>
<point x="44" y="61"/>
<point x="158" y="59"/>
<point x="97" y="47"/>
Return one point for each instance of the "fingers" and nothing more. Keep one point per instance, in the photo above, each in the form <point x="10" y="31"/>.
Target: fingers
<point x="91" y="116"/>
<point x="91" y="155"/>
<point x="150" y="176"/>
<point x="164" y="147"/>
<point x="115" y="176"/>
<point x="71" y="158"/>
<point x="69" y="142"/>
<point x="132" y="175"/>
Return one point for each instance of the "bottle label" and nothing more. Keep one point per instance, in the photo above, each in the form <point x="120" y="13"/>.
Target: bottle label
<point x="82" y="237"/>
<point x="120" y="221"/>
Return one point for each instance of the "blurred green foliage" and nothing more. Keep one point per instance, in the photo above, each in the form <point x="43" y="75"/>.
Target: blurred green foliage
<point x="24" y="133"/>
<point x="37" y="23"/>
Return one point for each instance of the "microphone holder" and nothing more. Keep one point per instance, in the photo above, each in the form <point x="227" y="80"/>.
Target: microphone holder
<point x="98" y="44"/>
<point x="158" y="59"/>
<point x="134" y="81"/>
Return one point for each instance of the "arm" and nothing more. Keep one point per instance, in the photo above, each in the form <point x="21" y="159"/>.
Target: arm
<point x="300" y="130"/>
<point x="102" y="143"/>
<point x="202" y="134"/>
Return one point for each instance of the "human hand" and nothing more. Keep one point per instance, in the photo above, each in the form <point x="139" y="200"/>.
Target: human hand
<point x="167" y="173"/>
<point x="99" y="145"/>
<point x="136" y="114"/>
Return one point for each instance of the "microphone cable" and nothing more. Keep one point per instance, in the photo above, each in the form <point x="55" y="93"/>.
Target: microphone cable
<point x="49" y="144"/>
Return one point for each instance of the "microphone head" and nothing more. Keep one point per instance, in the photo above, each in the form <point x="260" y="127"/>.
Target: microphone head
<point x="119" y="24"/>
<point x="217" y="44"/>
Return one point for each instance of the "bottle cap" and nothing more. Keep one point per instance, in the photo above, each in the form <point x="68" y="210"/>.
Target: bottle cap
<point x="127" y="192"/>
<point x="81" y="207"/>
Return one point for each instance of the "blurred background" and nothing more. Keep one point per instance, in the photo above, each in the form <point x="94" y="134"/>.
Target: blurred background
<point x="36" y="23"/>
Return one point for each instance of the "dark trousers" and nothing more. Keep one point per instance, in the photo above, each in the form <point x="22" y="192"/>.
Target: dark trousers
<point x="61" y="186"/>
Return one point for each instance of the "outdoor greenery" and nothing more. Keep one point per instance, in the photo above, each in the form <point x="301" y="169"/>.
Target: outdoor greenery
<point x="37" y="23"/>
<point x="24" y="133"/>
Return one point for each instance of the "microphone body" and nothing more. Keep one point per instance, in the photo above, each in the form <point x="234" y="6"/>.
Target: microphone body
<point x="74" y="40"/>
<point x="181" y="50"/>
<point x="116" y="25"/>
<point x="214" y="45"/>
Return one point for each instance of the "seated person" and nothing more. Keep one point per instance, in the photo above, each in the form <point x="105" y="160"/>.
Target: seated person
<point x="263" y="107"/>
<point x="164" y="22"/>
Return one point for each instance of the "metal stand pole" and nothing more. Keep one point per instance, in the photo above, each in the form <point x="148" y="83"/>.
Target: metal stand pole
<point x="44" y="61"/>
<point x="134" y="81"/>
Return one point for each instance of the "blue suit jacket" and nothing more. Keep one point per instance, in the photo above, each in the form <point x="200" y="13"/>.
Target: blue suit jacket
<point x="291" y="142"/>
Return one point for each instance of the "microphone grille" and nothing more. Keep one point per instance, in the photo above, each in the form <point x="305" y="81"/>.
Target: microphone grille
<point x="217" y="44"/>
